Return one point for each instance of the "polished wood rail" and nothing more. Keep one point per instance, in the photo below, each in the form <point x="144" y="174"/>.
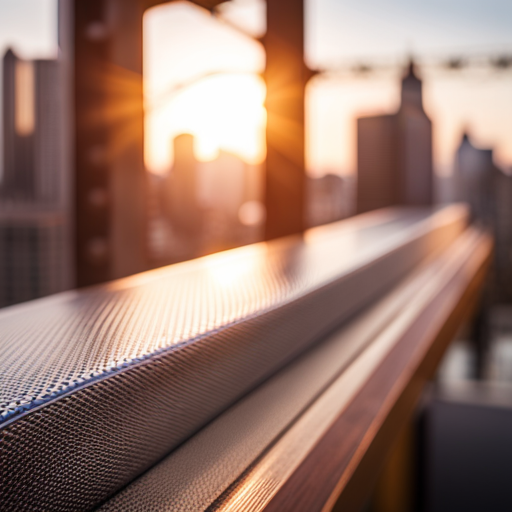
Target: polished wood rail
<point x="366" y="408"/>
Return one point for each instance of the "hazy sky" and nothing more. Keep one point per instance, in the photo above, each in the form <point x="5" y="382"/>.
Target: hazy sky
<point x="337" y="31"/>
<point x="30" y="26"/>
<point x="344" y="28"/>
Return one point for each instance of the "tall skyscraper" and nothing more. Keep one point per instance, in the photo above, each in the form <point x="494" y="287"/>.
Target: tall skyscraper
<point x="503" y="230"/>
<point x="18" y="128"/>
<point x="181" y="189"/>
<point x="488" y="192"/>
<point x="32" y="169"/>
<point x="394" y="153"/>
<point x="475" y="177"/>
<point x="35" y="241"/>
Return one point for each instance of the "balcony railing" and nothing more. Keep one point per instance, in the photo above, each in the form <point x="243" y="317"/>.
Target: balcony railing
<point x="270" y="377"/>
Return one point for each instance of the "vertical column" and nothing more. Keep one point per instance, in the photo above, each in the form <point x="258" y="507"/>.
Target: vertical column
<point x="66" y="140"/>
<point x="92" y="215"/>
<point x="285" y="76"/>
<point x="128" y="180"/>
<point x="110" y="178"/>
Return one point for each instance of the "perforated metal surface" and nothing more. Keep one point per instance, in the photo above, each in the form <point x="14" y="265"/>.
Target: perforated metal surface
<point x="98" y="385"/>
<point x="57" y="345"/>
<point x="196" y="474"/>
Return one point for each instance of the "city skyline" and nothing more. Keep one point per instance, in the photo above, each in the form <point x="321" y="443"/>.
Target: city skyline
<point x="229" y="270"/>
<point x="35" y="241"/>
<point x="479" y="102"/>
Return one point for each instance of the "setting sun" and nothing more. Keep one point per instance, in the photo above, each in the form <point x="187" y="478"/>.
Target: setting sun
<point x="208" y="86"/>
<point x="223" y="112"/>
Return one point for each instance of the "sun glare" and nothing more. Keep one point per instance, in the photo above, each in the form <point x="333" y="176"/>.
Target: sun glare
<point x="201" y="77"/>
<point x="223" y="112"/>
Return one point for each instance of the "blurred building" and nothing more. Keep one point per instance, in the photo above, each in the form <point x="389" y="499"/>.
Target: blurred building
<point x="394" y="153"/>
<point x="227" y="184"/>
<point x="159" y="230"/>
<point x="445" y="189"/>
<point x="475" y="177"/>
<point x="203" y="207"/>
<point x="329" y="198"/>
<point x="32" y="161"/>
<point x="181" y="190"/>
<point x="18" y="128"/>
<point x="33" y="248"/>
<point x="35" y="240"/>
<point x="488" y="192"/>
<point x="503" y="230"/>
<point x="224" y="184"/>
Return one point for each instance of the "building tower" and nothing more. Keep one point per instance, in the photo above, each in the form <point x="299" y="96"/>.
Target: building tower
<point x="49" y="180"/>
<point x="35" y="241"/>
<point x="475" y="177"/>
<point x="394" y="153"/>
<point x="181" y="204"/>
<point x="32" y="131"/>
<point x="18" y="128"/>
<point x="487" y="190"/>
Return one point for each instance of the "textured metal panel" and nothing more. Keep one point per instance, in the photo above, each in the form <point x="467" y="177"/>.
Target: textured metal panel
<point x="199" y="471"/>
<point x="98" y="385"/>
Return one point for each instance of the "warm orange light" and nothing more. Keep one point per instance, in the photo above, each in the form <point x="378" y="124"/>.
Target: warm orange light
<point x="223" y="112"/>
<point x="201" y="77"/>
<point x="229" y="270"/>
